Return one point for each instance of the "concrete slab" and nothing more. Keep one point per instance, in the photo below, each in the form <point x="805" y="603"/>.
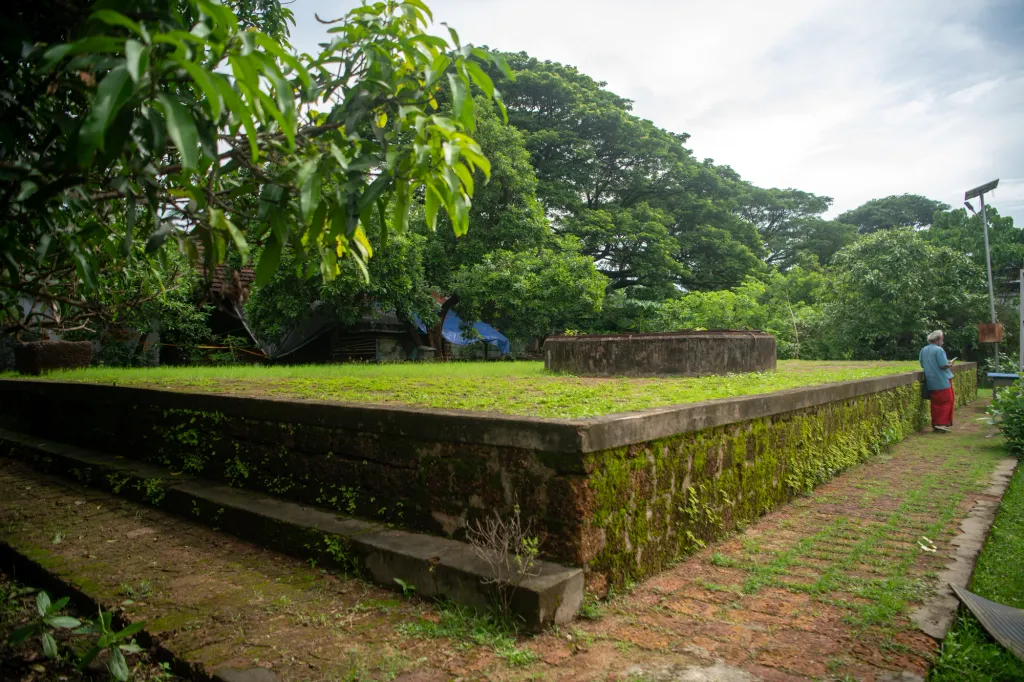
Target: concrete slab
<point x="437" y="567"/>
<point x="936" y="616"/>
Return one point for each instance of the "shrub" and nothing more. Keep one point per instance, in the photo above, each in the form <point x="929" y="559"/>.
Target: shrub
<point x="1007" y="412"/>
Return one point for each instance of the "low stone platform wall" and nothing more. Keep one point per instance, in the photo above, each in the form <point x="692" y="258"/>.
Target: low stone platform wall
<point x="682" y="353"/>
<point x="621" y="495"/>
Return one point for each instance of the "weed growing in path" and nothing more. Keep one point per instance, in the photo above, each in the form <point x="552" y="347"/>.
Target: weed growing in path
<point x="462" y="624"/>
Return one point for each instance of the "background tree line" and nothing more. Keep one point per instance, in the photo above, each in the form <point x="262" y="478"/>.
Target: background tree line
<point x="596" y="220"/>
<point x="562" y="210"/>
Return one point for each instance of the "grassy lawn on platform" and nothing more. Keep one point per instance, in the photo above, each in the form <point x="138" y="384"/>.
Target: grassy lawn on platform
<point x="519" y="388"/>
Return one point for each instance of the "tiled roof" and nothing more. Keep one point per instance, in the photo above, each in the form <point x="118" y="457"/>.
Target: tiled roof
<point x="228" y="282"/>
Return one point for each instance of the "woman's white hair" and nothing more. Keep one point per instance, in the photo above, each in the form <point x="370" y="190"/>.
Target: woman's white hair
<point x="935" y="336"/>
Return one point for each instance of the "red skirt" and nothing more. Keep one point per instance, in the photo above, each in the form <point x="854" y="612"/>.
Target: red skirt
<point x="942" y="406"/>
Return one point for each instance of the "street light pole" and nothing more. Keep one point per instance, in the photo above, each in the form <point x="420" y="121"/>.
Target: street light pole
<point x="980" y="192"/>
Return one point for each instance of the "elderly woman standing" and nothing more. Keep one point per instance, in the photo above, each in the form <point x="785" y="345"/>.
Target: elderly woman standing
<point x="937" y="376"/>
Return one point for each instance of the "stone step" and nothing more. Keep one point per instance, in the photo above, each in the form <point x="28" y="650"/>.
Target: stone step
<point x="437" y="567"/>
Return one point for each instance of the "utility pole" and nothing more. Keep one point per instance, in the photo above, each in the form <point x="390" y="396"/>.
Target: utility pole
<point x="970" y="194"/>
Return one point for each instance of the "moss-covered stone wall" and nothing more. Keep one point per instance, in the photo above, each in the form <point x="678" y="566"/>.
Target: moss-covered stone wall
<point x="654" y="502"/>
<point x="623" y="513"/>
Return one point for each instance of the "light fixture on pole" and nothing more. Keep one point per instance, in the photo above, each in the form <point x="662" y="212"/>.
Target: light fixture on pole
<point x="980" y="193"/>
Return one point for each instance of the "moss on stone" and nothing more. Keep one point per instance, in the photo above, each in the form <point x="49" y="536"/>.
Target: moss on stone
<point x="658" y="501"/>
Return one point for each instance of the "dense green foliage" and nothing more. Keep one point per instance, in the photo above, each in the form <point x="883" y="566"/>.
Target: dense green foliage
<point x="1007" y="412"/>
<point x="181" y="120"/>
<point x="890" y="289"/>
<point x="907" y="210"/>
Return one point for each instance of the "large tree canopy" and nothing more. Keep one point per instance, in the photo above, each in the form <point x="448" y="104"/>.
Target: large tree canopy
<point x="903" y="210"/>
<point x="964" y="233"/>
<point x="642" y="205"/>
<point x="782" y="217"/>
<point x="890" y="289"/>
<point x="159" y="119"/>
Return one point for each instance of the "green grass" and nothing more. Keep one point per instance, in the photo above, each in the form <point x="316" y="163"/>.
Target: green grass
<point x="468" y="627"/>
<point x="968" y="653"/>
<point x="519" y="388"/>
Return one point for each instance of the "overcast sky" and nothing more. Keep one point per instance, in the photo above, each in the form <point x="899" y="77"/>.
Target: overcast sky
<point x="853" y="99"/>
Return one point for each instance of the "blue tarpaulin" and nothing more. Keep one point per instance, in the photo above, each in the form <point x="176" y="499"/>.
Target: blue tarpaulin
<point x="452" y="333"/>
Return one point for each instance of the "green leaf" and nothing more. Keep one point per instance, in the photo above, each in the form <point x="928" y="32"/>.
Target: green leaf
<point x="89" y="657"/>
<point x="63" y="622"/>
<point x="204" y="80"/>
<point x="459" y="213"/>
<point x="129" y="226"/>
<point x="221" y="14"/>
<point x="481" y="78"/>
<point x="269" y="261"/>
<point x="182" y="130"/>
<point x="501" y="106"/>
<point x="286" y="123"/>
<point x="371" y="193"/>
<point x="465" y="176"/>
<point x="401" y="212"/>
<point x="420" y="6"/>
<point x="273" y="47"/>
<point x="455" y="36"/>
<point x="362" y="266"/>
<point x="129" y="631"/>
<point x="218" y="220"/>
<point x="136" y="58"/>
<point x="462" y="103"/>
<point x="382" y="216"/>
<point x="316" y="225"/>
<point x="54" y="55"/>
<point x="90" y="45"/>
<point x="499" y="61"/>
<point x="117" y="666"/>
<point x="309" y="188"/>
<point x="22" y="633"/>
<point x="109" y="16"/>
<point x="42" y="603"/>
<point x="159" y="236"/>
<point x="476" y="158"/>
<point x="240" y="110"/>
<point x="49" y="645"/>
<point x="157" y="132"/>
<point x="58" y="605"/>
<point x="433" y="203"/>
<point x="28" y="188"/>
<point x="113" y="91"/>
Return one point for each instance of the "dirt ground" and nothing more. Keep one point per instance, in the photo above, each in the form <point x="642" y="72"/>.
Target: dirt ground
<point x="820" y="589"/>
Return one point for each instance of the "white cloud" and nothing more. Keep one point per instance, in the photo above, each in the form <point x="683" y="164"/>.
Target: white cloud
<point x="853" y="100"/>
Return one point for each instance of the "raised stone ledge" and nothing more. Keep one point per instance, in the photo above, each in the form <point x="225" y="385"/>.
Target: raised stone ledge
<point x="438" y="567"/>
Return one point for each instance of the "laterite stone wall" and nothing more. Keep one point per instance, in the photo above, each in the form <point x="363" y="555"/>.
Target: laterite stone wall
<point x="654" y="502"/>
<point x="621" y="495"/>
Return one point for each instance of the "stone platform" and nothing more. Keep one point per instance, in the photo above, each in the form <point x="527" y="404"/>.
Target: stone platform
<point x="621" y="496"/>
<point x="683" y="353"/>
